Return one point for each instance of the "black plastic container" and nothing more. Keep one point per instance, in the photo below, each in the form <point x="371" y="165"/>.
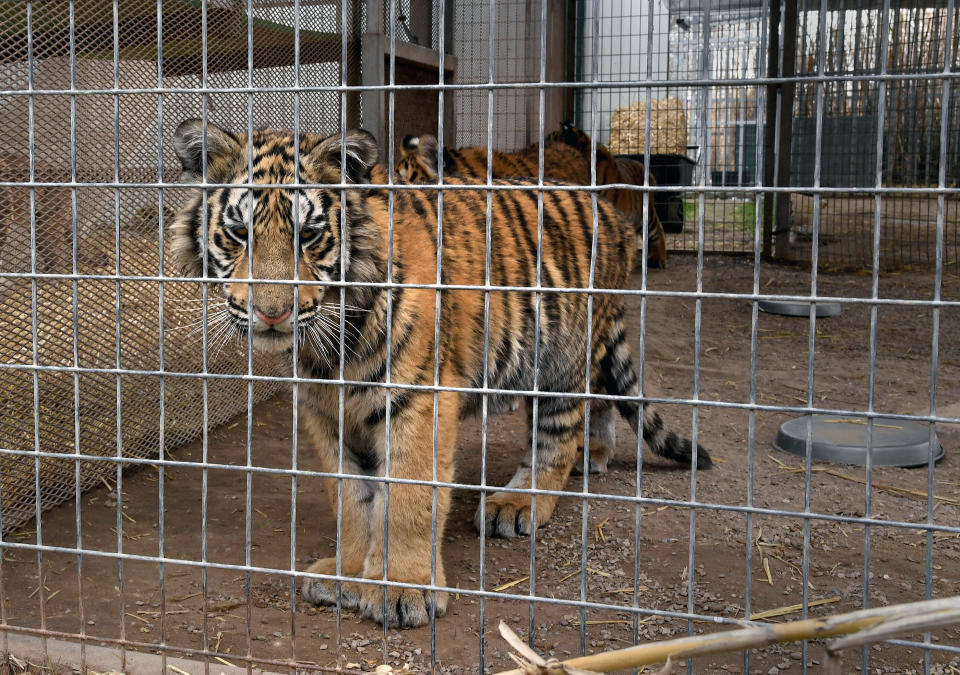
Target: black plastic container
<point x="669" y="170"/>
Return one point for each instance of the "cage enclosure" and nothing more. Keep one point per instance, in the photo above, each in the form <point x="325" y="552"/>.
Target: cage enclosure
<point x="159" y="492"/>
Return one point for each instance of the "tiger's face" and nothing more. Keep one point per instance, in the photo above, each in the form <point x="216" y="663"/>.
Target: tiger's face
<point x="418" y="159"/>
<point x="250" y="235"/>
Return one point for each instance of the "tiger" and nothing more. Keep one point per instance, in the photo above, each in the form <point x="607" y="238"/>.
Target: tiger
<point x="387" y="249"/>
<point x="612" y="169"/>
<point x="419" y="154"/>
<point x="562" y="161"/>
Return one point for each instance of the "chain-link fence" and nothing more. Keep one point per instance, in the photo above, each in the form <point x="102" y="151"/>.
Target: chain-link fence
<point x="194" y="504"/>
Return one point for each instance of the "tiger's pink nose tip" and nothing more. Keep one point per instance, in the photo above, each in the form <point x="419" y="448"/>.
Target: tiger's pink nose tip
<point x="271" y="319"/>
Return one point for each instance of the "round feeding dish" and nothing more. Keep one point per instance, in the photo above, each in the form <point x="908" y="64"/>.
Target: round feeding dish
<point x="844" y="440"/>
<point x="799" y="308"/>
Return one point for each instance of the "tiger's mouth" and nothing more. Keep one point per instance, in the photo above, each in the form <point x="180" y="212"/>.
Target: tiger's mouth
<point x="272" y="330"/>
<point x="316" y="327"/>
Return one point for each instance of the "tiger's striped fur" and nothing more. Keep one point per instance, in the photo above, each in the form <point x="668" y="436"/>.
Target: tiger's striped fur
<point x="418" y="162"/>
<point x="563" y="161"/>
<point x="343" y="236"/>
<point x="611" y="169"/>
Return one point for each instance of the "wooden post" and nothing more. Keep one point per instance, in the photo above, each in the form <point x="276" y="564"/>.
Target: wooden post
<point x="778" y="134"/>
<point x="570" y="37"/>
<point x="770" y="126"/>
<point x="374" y="74"/>
<point x="553" y="113"/>
<point x="354" y="74"/>
<point x="449" y="100"/>
<point x="781" y="250"/>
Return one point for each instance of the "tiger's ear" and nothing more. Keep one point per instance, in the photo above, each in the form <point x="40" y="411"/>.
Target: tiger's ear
<point x="361" y="154"/>
<point x="409" y="145"/>
<point x="569" y="134"/>
<point x="188" y="142"/>
<point x="429" y="156"/>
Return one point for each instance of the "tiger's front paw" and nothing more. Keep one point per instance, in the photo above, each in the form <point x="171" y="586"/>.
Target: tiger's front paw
<point x="510" y="514"/>
<point x="396" y="607"/>
<point x="325" y="591"/>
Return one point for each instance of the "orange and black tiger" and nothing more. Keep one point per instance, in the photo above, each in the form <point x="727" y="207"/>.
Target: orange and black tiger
<point x="419" y="163"/>
<point x="563" y="161"/>
<point x="611" y="169"/>
<point x="340" y="243"/>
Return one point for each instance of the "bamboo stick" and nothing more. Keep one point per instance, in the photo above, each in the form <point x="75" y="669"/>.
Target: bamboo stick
<point x="945" y="610"/>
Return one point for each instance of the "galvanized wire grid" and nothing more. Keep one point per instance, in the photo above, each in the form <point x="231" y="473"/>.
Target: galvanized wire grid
<point x="850" y="43"/>
<point x="514" y="37"/>
<point x="288" y="93"/>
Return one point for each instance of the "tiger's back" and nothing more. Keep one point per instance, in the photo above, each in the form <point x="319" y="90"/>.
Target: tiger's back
<point x="419" y="164"/>
<point x="560" y="163"/>
<point x="612" y="169"/>
<point x="565" y="159"/>
<point x="564" y="253"/>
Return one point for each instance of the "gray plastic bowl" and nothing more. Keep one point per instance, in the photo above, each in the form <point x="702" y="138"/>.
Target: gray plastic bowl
<point x="844" y="440"/>
<point x="799" y="308"/>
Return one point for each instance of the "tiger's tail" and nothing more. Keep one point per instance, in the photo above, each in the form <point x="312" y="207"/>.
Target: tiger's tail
<point x="620" y="379"/>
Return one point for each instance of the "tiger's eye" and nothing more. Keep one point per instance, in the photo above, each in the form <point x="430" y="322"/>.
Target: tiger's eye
<point x="240" y="232"/>
<point x="305" y="234"/>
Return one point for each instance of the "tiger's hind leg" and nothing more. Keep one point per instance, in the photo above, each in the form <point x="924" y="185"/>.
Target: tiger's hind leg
<point x="657" y="245"/>
<point x="656" y="242"/>
<point x="559" y="427"/>
<point x="603" y="438"/>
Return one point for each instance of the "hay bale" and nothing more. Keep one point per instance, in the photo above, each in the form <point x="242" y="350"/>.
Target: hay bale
<point x="81" y="414"/>
<point x="668" y="127"/>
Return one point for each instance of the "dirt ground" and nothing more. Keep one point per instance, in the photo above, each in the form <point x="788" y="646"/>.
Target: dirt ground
<point x="129" y="602"/>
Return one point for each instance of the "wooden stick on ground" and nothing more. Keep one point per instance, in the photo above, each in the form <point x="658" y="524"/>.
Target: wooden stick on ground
<point x="898" y="618"/>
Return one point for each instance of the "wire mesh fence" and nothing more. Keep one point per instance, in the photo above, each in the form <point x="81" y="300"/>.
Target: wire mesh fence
<point x="253" y="465"/>
<point x="842" y="42"/>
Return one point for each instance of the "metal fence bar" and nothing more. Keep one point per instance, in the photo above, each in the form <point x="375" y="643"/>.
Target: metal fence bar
<point x="391" y="136"/>
<point x="541" y="103"/>
<point x="875" y="283"/>
<point x="641" y="352"/>
<point x="31" y="145"/>
<point x="485" y="399"/>
<point x="516" y="392"/>
<point x="248" y="485"/>
<point x="706" y="147"/>
<point x="903" y="302"/>
<point x="435" y="458"/>
<point x="584" y="502"/>
<point x="205" y="330"/>
<point x="759" y="174"/>
<point x="812" y="331"/>
<point x="584" y="604"/>
<point x="935" y="321"/>
<point x="118" y="337"/>
<point x="497" y="86"/>
<point x="720" y="190"/>
<point x="295" y="351"/>
<point x="161" y="307"/>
